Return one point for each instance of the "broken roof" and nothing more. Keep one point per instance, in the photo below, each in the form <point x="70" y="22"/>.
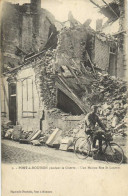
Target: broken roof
<point x="109" y="8"/>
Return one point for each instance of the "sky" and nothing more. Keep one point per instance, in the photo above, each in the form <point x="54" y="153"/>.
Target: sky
<point x="81" y="9"/>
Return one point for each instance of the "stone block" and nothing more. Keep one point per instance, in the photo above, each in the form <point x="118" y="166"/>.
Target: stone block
<point x="55" y="134"/>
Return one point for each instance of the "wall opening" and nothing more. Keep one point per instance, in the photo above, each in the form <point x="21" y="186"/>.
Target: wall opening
<point x="12" y="103"/>
<point x="67" y="105"/>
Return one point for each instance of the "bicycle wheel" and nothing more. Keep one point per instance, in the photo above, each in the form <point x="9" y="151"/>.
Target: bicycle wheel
<point x="114" y="153"/>
<point x="82" y="147"/>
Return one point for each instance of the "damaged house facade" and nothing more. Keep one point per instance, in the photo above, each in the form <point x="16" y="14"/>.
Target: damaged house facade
<point x="50" y="77"/>
<point x="116" y="25"/>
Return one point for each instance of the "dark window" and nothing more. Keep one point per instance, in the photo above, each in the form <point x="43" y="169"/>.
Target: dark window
<point x="112" y="50"/>
<point x="12" y="103"/>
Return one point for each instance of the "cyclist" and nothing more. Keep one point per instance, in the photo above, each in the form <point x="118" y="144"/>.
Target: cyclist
<point x="90" y="122"/>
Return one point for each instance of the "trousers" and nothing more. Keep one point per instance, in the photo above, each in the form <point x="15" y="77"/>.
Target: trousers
<point x="96" y="135"/>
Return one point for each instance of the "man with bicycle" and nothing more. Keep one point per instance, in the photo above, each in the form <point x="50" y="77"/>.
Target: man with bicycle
<point x="90" y="128"/>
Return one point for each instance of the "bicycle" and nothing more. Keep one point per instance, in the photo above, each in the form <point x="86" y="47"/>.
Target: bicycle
<point x="111" y="152"/>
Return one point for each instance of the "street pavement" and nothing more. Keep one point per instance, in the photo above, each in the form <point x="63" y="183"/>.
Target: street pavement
<point x="16" y="153"/>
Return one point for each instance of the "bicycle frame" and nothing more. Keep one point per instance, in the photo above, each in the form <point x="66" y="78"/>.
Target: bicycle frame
<point x="103" y="139"/>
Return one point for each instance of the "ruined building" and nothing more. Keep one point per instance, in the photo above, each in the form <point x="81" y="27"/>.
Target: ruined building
<point x="24" y="31"/>
<point x="49" y="76"/>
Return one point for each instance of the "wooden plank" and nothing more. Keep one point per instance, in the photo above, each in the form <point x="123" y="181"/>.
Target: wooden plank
<point x="95" y="4"/>
<point x="71" y="94"/>
<point x="73" y="73"/>
<point x="91" y="62"/>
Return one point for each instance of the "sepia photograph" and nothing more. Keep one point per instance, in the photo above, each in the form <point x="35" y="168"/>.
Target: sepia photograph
<point x="64" y="96"/>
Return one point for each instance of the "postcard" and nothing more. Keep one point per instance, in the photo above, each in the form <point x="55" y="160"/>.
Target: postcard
<point x="64" y="97"/>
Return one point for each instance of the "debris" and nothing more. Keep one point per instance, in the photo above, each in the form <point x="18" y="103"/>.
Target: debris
<point x="24" y="135"/>
<point x="35" y="143"/>
<point x="8" y="134"/>
<point x="115" y="120"/>
<point x="120" y="126"/>
<point x="57" y="142"/>
<point x="17" y="131"/>
<point x="65" y="143"/>
<point x="24" y="141"/>
<point x="43" y="139"/>
<point x="55" y="134"/>
<point x="35" y="135"/>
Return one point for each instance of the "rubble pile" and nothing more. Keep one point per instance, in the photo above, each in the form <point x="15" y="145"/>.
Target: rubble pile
<point x="106" y="91"/>
<point x="114" y="105"/>
<point x="16" y="133"/>
<point x="110" y="94"/>
<point x="6" y="125"/>
<point x="45" y="79"/>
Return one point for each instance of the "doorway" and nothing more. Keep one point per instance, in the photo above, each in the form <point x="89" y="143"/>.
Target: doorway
<point x="12" y="103"/>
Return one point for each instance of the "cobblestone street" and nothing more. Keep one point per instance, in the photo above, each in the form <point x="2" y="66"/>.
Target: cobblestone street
<point x="13" y="152"/>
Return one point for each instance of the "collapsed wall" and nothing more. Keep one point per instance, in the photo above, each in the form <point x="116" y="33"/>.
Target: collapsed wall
<point x="45" y="80"/>
<point x="92" y="87"/>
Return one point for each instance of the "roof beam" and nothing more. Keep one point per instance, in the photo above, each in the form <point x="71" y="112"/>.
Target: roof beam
<point x="95" y="4"/>
<point x="111" y="8"/>
<point x="84" y="107"/>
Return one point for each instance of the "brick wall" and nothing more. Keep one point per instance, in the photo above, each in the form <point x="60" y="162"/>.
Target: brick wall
<point x="101" y="54"/>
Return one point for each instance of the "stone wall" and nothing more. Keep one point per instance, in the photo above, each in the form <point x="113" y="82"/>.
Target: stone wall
<point x="45" y="80"/>
<point x="71" y="43"/>
<point x="26" y="35"/>
<point x="10" y="27"/>
<point x="57" y="119"/>
<point x="10" y="33"/>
